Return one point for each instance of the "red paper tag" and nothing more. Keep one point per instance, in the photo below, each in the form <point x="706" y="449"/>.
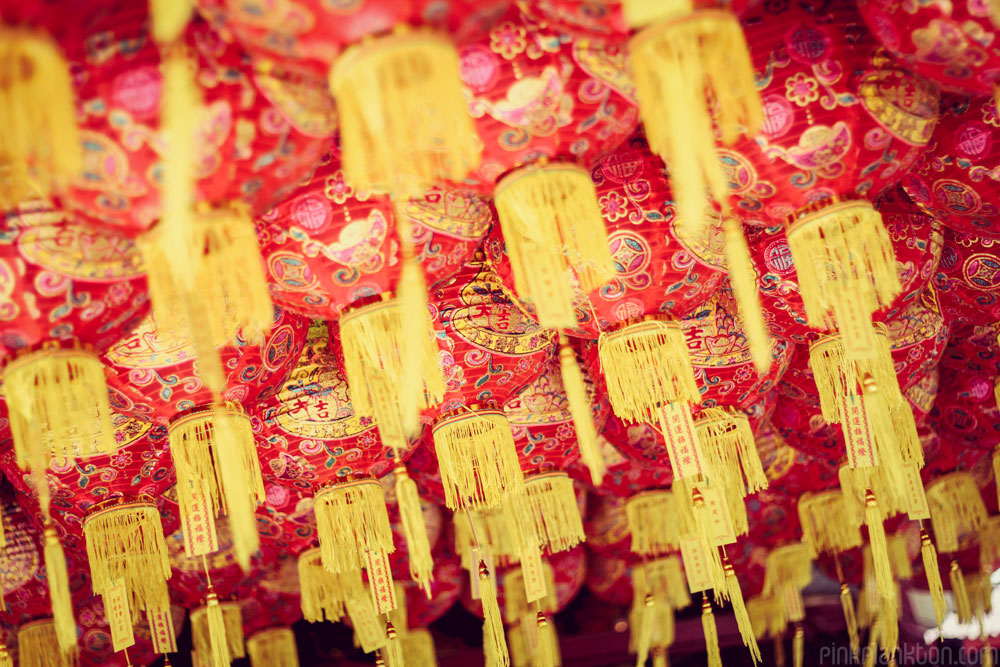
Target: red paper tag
<point x="119" y="618"/>
<point x="161" y="630"/>
<point x="678" y="432"/>
<point x="368" y="627"/>
<point x="533" y="574"/>
<point x="199" y="524"/>
<point x="916" y="499"/>
<point x="695" y="564"/>
<point x="857" y="433"/>
<point x="380" y="581"/>
<point x="718" y="510"/>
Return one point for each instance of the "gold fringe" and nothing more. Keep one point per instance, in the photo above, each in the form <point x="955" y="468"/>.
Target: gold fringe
<point x="125" y="545"/>
<point x="323" y="593"/>
<point x="421" y="380"/>
<point x="711" y="634"/>
<point x="989" y="544"/>
<point x="871" y="654"/>
<point x="378" y="351"/>
<point x="703" y="529"/>
<point x="856" y="482"/>
<point x="57" y="399"/>
<point x="553" y="228"/>
<point x="743" y="279"/>
<point x="767" y="616"/>
<point x="418" y="546"/>
<point x="37" y="646"/>
<point x="418" y="644"/>
<point x="208" y="632"/>
<point x="169" y="18"/>
<point x="899" y="559"/>
<point x="660" y="658"/>
<point x="879" y="547"/>
<point x="62" y="604"/>
<point x="664" y="579"/>
<point x="351" y="519"/>
<point x="798" y="646"/>
<point x="850" y="619"/>
<point x="735" y="596"/>
<point x="237" y="471"/>
<point x="996" y="461"/>
<point x="789" y="565"/>
<point x="547" y="653"/>
<point x="826" y="524"/>
<point x="956" y="507"/>
<point x="646" y="365"/>
<point x="729" y="452"/>
<point x="518" y="647"/>
<point x="888" y="625"/>
<point x="274" y="646"/>
<point x="494" y="644"/>
<point x="848" y="266"/>
<point x="5" y="659"/>
<point x="646" y="617"/>
<point x="403" y="118"/>
<point x="934" y="585"/>
<point x="676" y="64"/>
<point x="40" y="145"/>
<point x="653" y="523"/>
<point x="477" y="459"/>
<point x="579" y="407"/>
<point x="963" y="606"/>
<point x="548" y="512"/>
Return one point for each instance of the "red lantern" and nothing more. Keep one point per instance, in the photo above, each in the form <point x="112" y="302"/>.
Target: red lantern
<point x="966" y="412"/>
<point x="949" y="44"/>
<point x="955" y="177"/>
<point x="968" y="279"/>
<point x="327" y="246"/>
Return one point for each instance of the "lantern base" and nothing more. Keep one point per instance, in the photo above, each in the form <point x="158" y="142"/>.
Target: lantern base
<point x="549" y="513"/>
<point x="552" y="226"/>
<point x="478" y="459"/>
<point x="403" y="118"/>
<point x="40" y="146"/>
<point x="647" y="365"/>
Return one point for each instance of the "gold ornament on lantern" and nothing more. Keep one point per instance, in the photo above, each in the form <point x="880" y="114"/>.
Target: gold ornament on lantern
<point x="274" y="646"/>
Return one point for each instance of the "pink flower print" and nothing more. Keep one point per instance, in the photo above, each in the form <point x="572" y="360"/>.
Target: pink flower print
<point x="801" y="89"/>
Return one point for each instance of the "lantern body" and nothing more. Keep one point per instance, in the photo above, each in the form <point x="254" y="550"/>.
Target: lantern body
<point x="968" y="278"/>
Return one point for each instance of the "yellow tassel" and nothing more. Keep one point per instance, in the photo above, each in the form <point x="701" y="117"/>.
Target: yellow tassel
<point x="996" y="464"/>
<point x="647" y="617"/>
<point x="711" y="634"/>
<point x="393" y="651"/>
<point x="37" y="646"/>
<point x="934" y="585"/>
<point x="789" y="565"/>
<point x="880" y="549"/>
<point x="477" y="459"/>
<point x="675" y="64"/>
<point x="899" y="559"/>
<point x="40" y="146"/>
<point x="519" y="656"/>
<point x="767" y="616"/>
<point x="579" y="407"/>
<point x="3" y="534"/>
<point x="826" y="524"/>
<point x="850" y="619"/>
<point x="888" y="625"/>
<point x="169" y="18"/>
<point x="660" y="658"/>
<point x="548" y="512"/>
<point x="848" y="265"/>
<point x="798" y="646"/>
<point x="274" y="646"/>
<point x="743" y="279"/>
<point x="62" y="604"/>
<point x="414" y="530"/>
<point x="403" y="118"/>
<point x="727" y="445"/>
<point x="208" y="632"/>
<point x="5" y="659"/>
<point x="652" y="522"/>
<point x="664" y="579"/>
<point x="989" y="544"/>
<point x="387" y="364"/>
<point x="125" y="545"/>
<point x="58" y="404"/>
<point x="494" y="644"/>
<point x="323" y="593"/>
<point x="963" y="606"/>
<point x="646" y="365"/>
<point x="664" y="629"/>
<point x="956" y="507"/>
<point x="705" y="532"/>
<point x="233" y="616"/>
<point x="735" y="596"/>
<point x="547" y="654"/>
<point x="871" y="654"/>
<point x="351" y="519"/>
<point x="418" y="645"/>
<point x="552" y="226"/>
